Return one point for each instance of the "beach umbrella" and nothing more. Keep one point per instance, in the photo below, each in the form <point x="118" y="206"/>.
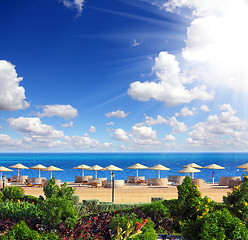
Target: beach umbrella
<point x="243" y="166"/>
<point x="96" y="168"/>
<point x="189" y="170"/>
<point x="4" y="169"/>
<point x="112" y="168"/>
<point x="137" y="166"/>
<point x="214" y="166"/>
<point x="159" y="167"/>
<point x="193" y="165"/>
<point x="82" y="166"/>
<point x="38" y="167"/>
<point x="52" y="168"/>
<point x="19" y="166"/>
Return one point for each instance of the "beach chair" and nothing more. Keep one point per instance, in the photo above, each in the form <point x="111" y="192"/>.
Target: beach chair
<point x="94" y="184"/>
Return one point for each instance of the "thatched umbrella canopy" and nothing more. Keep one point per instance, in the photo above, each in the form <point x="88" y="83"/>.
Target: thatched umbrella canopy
<point x="82" y="166"/>
<point x="38" y="167"/>
<point x="159" y="167"/>
<point x="96" y="168"/>
<point x="52" y="168"/>
<point x="112" y="168"/>
<point x="4" y="169"/>
<point x="214" y="166"/>
<point x="189" y="170"/>
<point x="19" y="166"/>
<point x="137" y="166"/>
<point x="245" y="166"/>
<point x="193" y="165"/>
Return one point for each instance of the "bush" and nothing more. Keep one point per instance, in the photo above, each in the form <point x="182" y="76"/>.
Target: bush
<point x="22" y="232"/>
<point x="130" y="227"/>
<point x="32" y="199"/>
<point x="216" y="225"/>
<point x="12" y="192"/>
<point x="75" y="199"/>
<point x="58" y="210"/>
<point x="155" y="199"/>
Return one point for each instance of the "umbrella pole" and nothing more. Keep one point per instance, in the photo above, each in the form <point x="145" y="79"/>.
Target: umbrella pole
<point x="192" y="175"/>
<point x="158" y="173"/>
<point x="1" y="175"/>
<point x="111" y="175"/>
<point x="137" y="172"/>
<point x="96" y="173"/>
<point x="39" y="173"/>
<point x="18" y="173"/>
<point x="213" y="176"/>
<point x="82" y="172"/>
<point x="51" y="174"/>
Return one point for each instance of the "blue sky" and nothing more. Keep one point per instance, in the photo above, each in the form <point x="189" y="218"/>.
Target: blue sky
<point x="115" y="75"/>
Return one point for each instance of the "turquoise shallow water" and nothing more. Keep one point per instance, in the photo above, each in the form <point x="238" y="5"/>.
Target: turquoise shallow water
<point x="174" y="161"/>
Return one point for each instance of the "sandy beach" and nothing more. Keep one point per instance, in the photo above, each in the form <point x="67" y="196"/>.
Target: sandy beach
<point x="132" y="194"/>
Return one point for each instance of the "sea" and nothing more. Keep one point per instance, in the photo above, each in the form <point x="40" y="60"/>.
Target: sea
<point x="174" y="161"/>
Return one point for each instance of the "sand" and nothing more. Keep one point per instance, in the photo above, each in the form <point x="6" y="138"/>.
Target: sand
<point x="132" y="194"/>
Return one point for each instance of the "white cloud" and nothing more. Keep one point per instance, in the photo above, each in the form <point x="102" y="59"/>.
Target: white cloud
<point x="177" y="126"/>
<point x="184" y="112"/>
<point x="170" y="138"/>
<point x="66" y="125"/>
<point x="12" y="96"/>
<point x="144" y="132"/>
<point x="64" y="111"/>
<point x="217" y="40"/>
<point x="77" y="4"/>
<point x="224" y="130"/>
<point x="117" y="114"/>
<point x="119" y="135"/>
<point x="150" y="121"/>
<point x="85" y="142"/>
<point x="205" y="108"/>
<point x="6" y="140"/>
<point x="34" y="128"/>
<point x="110" y="123"/>
<point x="170" y="87"/>
<point x="136" y="43"/>
<point x="92" y="129"/>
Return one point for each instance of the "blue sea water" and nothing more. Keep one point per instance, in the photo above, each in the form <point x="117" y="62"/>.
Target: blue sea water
<point x="174" y="161"/>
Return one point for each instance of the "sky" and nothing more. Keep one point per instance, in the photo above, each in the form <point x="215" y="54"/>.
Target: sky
<point x="123" y="76"/>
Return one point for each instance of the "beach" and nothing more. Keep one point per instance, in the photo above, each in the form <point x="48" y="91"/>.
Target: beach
<point x="134" y="194"/>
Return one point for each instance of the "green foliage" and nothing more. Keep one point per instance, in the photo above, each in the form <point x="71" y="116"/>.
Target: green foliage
<point x="237" y="201"/>
<point x="12" y="192"/>
<point x="75" y="199"/>
<point x="54" y="190"/>
<point x="154" y="199"/>
<point x="18" y="210"/>
<point x="22" y="232"/>
<point x="216" y="225"/>
<point x="155" y="209"/>
<point x="58" y="210"/>
<point x="130" y="227"/>
<point x="32" y="199"/>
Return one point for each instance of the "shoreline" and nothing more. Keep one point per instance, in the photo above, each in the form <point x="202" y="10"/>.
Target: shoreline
<point x="134" y="194"/>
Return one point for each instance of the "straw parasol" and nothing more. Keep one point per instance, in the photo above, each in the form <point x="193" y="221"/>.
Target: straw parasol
<point x="82" y="166"/>
<point x="52" y="168"/>
<point x="159" y="167"/>
<point x="38" y="167"/>
<point x="214" y="166"/>
<point x="243" y="166"/>
<point x="19" y="166"/>
<point x="137" y="166"/>
<point x="112" y="168"/>
<point x="189" y="170"/>
<point x="4" y="169"/>
<point x="193" y="165"/>
<point x="96" y="168"/>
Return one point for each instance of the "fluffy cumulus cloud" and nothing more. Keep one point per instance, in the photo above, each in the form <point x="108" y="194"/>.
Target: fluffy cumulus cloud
<point x="205" y="108"/>
<point x="92" y="129"/>
<point x="6" y="140"/>
<point x="150" y="121"/>
<point x="85" y="142"/>
<point x="170" y="138"/>
<point x="33" y="128"/>
<point x="144" y="132"/>
<point x="12" y="96"/>
<point x="119" y="134"/>
<point x="64" y="111"/>
<point x="220" y="130"/>
<point x="170" y="87"/>
<point x="217" y="40"/>
<point x="66" y="125"/>
<point x="110" y="123"/>
<point x="184" y="112"/>
<point x="76" y="4"/>
<point x="117" y="114"/>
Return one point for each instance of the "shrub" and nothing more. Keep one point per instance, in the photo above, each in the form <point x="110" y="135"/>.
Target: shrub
<point x="75" y="199"/>
<point x="130" y="227"/>
<point x="216" y="225"/>
<point x="12" y="192"/>
<point x="58" y="210"/>
<point x="22" y="232"/>
<point x="32" y="199"/>
<point x="155" y="199"/>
